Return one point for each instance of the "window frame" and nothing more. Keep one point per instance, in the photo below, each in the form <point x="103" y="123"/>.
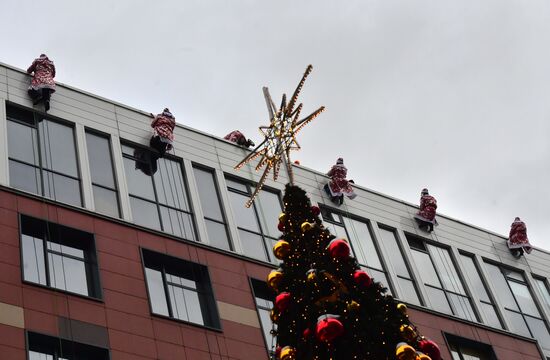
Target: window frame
<point x="458" y="341"/>
<point x="38" y="116"/>
<point x="93" y="274"/>
<point x="211" y="315"/>
<point x="55" y="341"/>
<point x="259" y="286"/>
<point x="368" y="224"/>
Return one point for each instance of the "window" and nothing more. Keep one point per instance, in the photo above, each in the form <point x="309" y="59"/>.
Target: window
<point x="444" y="286"/>
<point x="158" y="196"/>
<point x="264" y="303"/>
<point x="257" y="224"/>
<point x="103" y="176"/>
<point x="59" y="257"/>
<point x="216" y="225"/>
<point x="520" y="309"/>
<point x="362" y="243"/>
<point x="406" y="287"/>
<point x="543" y="289"/>
<point x="43" y="347"/>
<point x="180" y="289"/>
<point x="466" y="349"/>
<point x="42" y="156"/>
<point x="473" y="276"/>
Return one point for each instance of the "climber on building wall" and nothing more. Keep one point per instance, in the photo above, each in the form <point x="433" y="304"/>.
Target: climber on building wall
<point x="426" y="215"/>
<point x="338" y="186"/>
<point x="163" y="126"/>
<point x="42" y="85"/>
<point x="518" y="241"/>
<point x="238" y="138"/>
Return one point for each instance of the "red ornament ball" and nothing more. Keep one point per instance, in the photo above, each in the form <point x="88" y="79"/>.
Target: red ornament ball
<point x="281" y="226"/>
<point x="338" y="248"/>
<point x="329" y="328"/>
<point x="278" y="351"/>
<point x="282" y="301"/>
<point x="362" y="278"/>
<point x="316" y="210"/>
<point x="306" y="333"/>
<point x="430" y="348"/>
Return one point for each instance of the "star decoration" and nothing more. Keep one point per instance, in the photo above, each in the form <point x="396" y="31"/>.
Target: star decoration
<point x="279" y="136"/>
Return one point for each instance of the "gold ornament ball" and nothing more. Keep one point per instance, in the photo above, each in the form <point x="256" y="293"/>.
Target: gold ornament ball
<point x="407" y="331"/>
<point x="311" y="275"/>
<point x="281" y="249"/>
<point x="421" y="356"/>
<point x="306" y="226"/>
<point x="282" y="217"/>
<point x="404" y="351"/>
<point x="274" y="279"/>
<point x="288" y="353"/>
<point x="273" y="315"/>
<point x="402" y="308"/>
<point x="353" y="306"/>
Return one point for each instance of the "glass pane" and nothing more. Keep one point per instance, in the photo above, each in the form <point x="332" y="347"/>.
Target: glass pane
<point x="244" y="216"/>
<point x="517" y="324"/>
<point x="33" y="355"/>
<point x="25" y="177"/>
<point x="208" y="194"/>
<point x="491" y="317"/>
<point x="101" y="163"/>
<point x="34" y="268"/>
<point x="252" y="245"/>
<point x="106" y="201"/>
<point x="336" y="230"/>
<point x="266" y="327"/>
<point x="145" y="213"/>
<point x="437" y="300"/>
<point x="541" y="284"/>
<point x="268" y="207"/>
<point x="22" y="143"/>
<point x="362" y="243"/>
<point x="473" y="276"/>
<point x="501" y="287"/>
<point x="179" y="280"/>
<point x="157" y="295"/>
<point x="539" y="330"/>
<point x="455" y="355"/>
<point x="236" y="185"/>
<point x="426" y="268"/>
<point x="264" y="303"/>
<point x="65" y="249"/>
<point x="58" y="147"/>
<point x="67" y="274"/>
<point x="138" y="183"/>
<point x="217" y="234"/>
<point x="513" y="274"/>
<point x="169" y="184"/>
<point x="378" y="276"/>
<point x="193" y="306"/>
<point x="177" y="223"/>
<point x="462" y="307"/>
<point x="389" y="242"/>
<point x="177" y="300"/>
<point x="523" y="297"/>
<point x="407" y="291"/>
<point x="329" y="215"/>
<point x="62" y="188"/>
<point x="446" y="269"/>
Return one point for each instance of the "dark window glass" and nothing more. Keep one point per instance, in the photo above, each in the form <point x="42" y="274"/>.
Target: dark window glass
<point x="256" y="224"/>
<point x="264" y="303"/>
<point x="102" y="173"/>
<point x="180" y="289"/>
<point x="543" y="288"/>
<point x="158" y="196"/>
<point x="43" y="347"/>
<point x="59" y="257"/>
<point x="42" y="156"/>
<point x="466" y="349"/>
<point x="216" y="226"/>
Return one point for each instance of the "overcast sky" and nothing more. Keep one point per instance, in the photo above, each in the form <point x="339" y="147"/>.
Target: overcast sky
<point x="451" y="95"/>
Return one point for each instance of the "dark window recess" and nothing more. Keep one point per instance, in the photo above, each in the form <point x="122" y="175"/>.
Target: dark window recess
<point x="158" y="196"/>
<point x="43" y="347"/>
<point x="466" y="349"/>
<point x="42" y="156"/>
<point x="257" y="225"/>
<point x="264" y="298"/>
<point x="59" y="257"/>
<point x="180" y="289"/>
<point x="102" y="173"/>
<point x="216" y="225"/>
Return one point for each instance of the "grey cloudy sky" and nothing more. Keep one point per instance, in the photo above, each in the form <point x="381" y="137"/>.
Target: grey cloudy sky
<point x="452" y="95"/>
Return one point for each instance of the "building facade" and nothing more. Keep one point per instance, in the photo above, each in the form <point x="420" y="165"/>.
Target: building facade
<point x="106" y="253"/>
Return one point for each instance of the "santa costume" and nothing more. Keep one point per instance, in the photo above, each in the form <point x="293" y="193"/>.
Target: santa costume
<point x="42" y="85"/>
<point x="163" y="131"/>
<point x="338" y="186"/>
<point x="518" y="241"/>
<point x="426" y="215"/>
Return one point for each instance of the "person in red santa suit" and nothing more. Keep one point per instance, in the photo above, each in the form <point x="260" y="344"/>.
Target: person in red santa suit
<point x="338" y="186"/>
<point x="238" y="138"/>
<point x="163" y="126"/>
<point x="42" y="85"/>
<point x="426" y="215"/>
<point x="518" y="241"/>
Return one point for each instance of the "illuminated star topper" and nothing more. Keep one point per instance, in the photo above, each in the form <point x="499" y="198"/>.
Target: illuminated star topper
<point x="279" y="136"/>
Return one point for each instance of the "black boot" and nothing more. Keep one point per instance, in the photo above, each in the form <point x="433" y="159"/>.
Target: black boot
<point x="46" y="94"/>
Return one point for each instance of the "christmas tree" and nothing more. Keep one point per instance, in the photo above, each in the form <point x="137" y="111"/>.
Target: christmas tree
<point x="326" y="307"/>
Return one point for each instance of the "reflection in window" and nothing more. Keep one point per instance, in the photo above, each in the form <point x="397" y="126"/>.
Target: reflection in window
<point x="42" y="156"/>
<point x="103" y="177"/>
<point x="180" y="289"/>
<point x="361" y="240"/>
<point x="264" y="303"/>
<point x="520" y="309"/>
<point x="257" y="224"/>
<point x="158" y="197"/>
<point x="211" y="207"/>
<point x="445" y="290"/>
<point x="405" y="283"/>
<point x="59" y="257"/>
<point x="43" y="347"/>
